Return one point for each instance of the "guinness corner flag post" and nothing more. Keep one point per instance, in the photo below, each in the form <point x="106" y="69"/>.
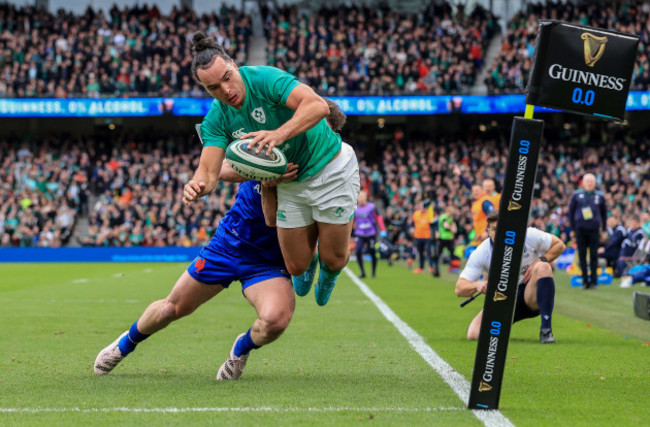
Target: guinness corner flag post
<point x="578" y="69"/>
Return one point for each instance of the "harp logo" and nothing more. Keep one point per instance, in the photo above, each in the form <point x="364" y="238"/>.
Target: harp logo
<point x="513" y="206"/>
<point x="594" y="48"/>
<point x="500" y="296"/>
<point x="483" y="386"/>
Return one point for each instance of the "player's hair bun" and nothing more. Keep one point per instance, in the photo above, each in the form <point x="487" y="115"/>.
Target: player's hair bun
<point x="204" y="51"/>
<point x="201" y="42"/>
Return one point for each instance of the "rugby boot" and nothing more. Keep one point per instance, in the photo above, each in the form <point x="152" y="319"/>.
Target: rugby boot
<point x="108" y="358"/>
<point x="325" y="286"/>
<point x="546" y="336"/>
<point x="233" y="367"/>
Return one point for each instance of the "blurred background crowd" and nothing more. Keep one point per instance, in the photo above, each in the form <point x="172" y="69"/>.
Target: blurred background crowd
<point x="123" y="189"/>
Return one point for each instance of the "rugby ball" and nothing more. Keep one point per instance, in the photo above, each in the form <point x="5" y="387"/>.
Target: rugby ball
<point x="255" y="166"/>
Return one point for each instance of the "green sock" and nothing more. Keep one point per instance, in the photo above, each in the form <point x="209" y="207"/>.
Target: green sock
<point x="314" y="261"/>
<point x="331" y="274"/>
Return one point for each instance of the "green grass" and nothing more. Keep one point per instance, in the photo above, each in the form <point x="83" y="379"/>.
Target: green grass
<point x="338" y="365"/>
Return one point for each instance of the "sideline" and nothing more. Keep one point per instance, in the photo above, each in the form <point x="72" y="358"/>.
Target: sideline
<point x="458" y="383"/>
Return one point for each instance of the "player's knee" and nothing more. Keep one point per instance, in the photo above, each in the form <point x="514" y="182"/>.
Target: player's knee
<point x="472" y="335"/>
<point x="275" y="322"/>
<point x="543" y="269"/>
<point x="295" y="269"/>
<point x="335" y="262"/>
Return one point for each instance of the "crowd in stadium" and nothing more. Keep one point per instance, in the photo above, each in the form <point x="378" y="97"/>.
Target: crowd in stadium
<point x="137" y="203"/>
<point x="441" y="174"/>
<point x="43" y="189"/>
<point x="334" y="50"/>
<point x="129" y="192"/>
<point x="134" y="187"/>
<point x="510" y="71"/>
<point x="345" y="49"/>
<point x="137" y="50"/>
<point x="124" y="52"/>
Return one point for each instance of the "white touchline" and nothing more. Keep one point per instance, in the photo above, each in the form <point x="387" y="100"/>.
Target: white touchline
<point x="69" y="301"/>
<point x="224" y="409"/>
<point x="456" y="381"/>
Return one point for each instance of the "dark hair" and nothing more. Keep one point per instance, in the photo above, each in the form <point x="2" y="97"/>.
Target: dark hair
<point x="336" y="118"/>
<point x="204" y="51"/>
<point x="635" y="217"/>
<point x="493" y="216"/>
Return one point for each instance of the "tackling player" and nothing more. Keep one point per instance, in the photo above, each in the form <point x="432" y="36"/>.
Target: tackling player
<point x="274" y="109"/>
<point x="243" y="248"/>
<point x="536" y="291"/>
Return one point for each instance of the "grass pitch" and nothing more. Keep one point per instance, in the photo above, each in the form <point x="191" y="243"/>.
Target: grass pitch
<point x="341" y="364"/>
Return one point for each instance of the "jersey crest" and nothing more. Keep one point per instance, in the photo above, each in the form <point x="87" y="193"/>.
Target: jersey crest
<point x="258" y="115"/>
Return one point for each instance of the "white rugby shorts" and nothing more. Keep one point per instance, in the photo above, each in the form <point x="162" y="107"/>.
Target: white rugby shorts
<point x="329" y="197"/>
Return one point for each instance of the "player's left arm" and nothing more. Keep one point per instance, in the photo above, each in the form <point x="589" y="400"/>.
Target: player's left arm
<point x="309" y="110"/>
<point x="556" y="249"/>
<point x="553" y="252"/>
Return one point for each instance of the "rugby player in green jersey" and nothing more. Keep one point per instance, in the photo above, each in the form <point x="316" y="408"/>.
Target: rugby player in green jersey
<point x="274" y="109"/>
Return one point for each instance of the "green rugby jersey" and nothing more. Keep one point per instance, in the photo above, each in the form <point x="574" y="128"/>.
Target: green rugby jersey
<point x="264" y="108"/>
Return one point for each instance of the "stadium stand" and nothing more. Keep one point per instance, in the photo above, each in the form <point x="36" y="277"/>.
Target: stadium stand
<point x="510" y="71"/>
<point x="338" y="50"/>
<point x="137" y="186"/>
<point x="417" y="170"/>
<point x="43" y="190"/>
<point x="127" y="189"/>
<point x="126" y="52"/>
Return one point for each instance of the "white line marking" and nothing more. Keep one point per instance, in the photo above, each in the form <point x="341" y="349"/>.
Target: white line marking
<point x="70" y="301"/>
<point x="80" y="281"/>
<point x="217" y="409"/>
<point x="147" y="270"/>
<point x="456" y="381"/>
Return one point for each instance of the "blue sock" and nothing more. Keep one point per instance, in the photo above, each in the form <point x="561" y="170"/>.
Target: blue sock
<point x="545" y="300"/>
<point x="245" y="344"/>
<point x="129" y="341"/>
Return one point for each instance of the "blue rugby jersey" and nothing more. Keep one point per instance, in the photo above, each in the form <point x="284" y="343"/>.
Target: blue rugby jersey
<point x="243" y="227"/>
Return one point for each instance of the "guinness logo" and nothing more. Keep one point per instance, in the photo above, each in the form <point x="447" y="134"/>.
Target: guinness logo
<point x="483" y="386"/>
<point x="594" y="48"/>
<point x="513" y="206"/>
<point x="500" y="296"/>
